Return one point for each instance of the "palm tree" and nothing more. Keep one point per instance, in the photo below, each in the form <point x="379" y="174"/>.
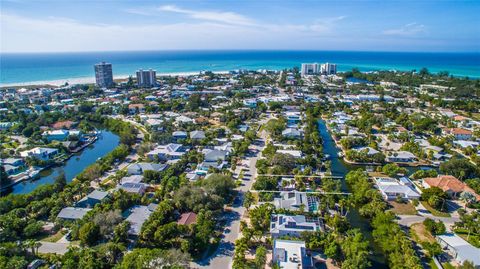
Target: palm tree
<point x="467" y="198"/>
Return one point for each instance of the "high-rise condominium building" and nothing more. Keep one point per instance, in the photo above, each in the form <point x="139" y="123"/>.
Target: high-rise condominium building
<point x="103" y="75"/>
<point x="328" y="69"/>
<point x="146" y="78"/>
<point x="310" y="69"/>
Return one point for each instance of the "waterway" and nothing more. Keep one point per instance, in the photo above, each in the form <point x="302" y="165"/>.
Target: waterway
<point x="339" y="168"/>
<point x="106" y="142"/>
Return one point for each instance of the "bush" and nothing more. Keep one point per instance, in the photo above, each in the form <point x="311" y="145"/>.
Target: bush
<point x="434" y="227"/>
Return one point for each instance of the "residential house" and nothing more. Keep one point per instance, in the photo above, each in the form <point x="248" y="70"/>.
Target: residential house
<point x="132" y="187"/>
<point x="167" y="152"/>
<point x="251" y="103"/>
<point x="140" y="168"/>
<point x="179" y="135"/>
<point x="284" y="225"/>
<point x="136" y="108"/>
<point x="187" y="219"/>
<point x="13" y="166"/>
<point x="459" y="133"/>
<point x="449" y="184"/>
<point x="401" y="157"/>
<point x="294" y="153"/>
<point x="73" y="213"/>
<point x="137" y="215"/>
<point x="197" y="135"/>
<point x="296" y="201"/>
<point x="390" y="189"/>
<point x="43" y="154"/>
<point x="92" y="199"/>
<point x="292" y="133"/>
<point x="288" y="254"/>
<point x="460" y="249"/>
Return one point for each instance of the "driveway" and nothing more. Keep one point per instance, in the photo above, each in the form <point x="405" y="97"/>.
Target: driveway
<point x="223" y="256"/>
<point x="57" y="248"/>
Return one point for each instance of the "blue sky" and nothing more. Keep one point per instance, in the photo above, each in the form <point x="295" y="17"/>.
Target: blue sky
<point x="62" y="25"/>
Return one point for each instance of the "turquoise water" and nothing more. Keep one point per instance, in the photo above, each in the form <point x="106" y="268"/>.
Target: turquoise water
<point x="76" y="164"/>
<point x="28" y="67"/>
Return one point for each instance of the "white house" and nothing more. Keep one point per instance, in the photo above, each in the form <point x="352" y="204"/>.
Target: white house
<point x="43" y="154"/>
<point x="284" y="225"/>
<point x="288" y="254"/>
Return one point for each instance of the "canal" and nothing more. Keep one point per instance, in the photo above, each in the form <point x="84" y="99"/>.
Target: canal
<point x="339" y="168"/>
<point x="106" y="142"/>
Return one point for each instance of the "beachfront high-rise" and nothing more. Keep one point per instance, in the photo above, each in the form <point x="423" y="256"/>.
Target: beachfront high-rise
<point x="328" y="69"/>
<point x="310" y="69"/>
<point x="103" y="75"/>
<point x="146" y="78"/>
<point x="316" y="68"/>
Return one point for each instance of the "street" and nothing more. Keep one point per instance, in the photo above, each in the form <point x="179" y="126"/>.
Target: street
<point x="223" y="256"/>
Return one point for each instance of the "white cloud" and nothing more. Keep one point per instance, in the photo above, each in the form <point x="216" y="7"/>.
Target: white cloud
<point x="213" y="30"/>
<point x="410" y="29"/>
<point x="217" y="16"/>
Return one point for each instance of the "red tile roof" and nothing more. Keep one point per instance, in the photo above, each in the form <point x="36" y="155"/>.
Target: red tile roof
<point x="458" y="131"/>
<point x="187" y="218"/>
<point x="63" y="124"/>
<point x="449" y="183"/>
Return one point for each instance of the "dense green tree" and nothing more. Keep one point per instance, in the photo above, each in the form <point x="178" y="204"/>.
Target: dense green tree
<point x="89" y="233"/>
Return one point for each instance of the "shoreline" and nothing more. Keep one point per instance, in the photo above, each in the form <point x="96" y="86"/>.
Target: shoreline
<point x="91" y="80"/>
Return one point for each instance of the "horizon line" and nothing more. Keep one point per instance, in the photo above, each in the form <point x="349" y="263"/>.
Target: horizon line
<point x="235" y="50"/>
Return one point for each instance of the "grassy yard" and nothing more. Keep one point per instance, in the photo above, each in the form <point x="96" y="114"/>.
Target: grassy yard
<point x="402" y="208"/>
<point x="54" y="237"/>
<point x="474" y="239"/>
<point x="420" y="234"/>
<point x="432" y="264"/>
<point x="434" y="211"/>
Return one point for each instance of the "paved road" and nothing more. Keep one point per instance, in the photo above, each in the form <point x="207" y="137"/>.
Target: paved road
<point x="57" y="248"/>
<point x="223" y="256"/>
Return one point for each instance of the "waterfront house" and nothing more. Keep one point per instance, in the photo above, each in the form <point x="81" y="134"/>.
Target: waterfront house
<point x="13" y="166"/>
<point x="460" y="249"/>
<point x="390" y="189"/>
<point x="449" y="184"/>
<point x="43" y="154"/>
<point x="140" y="168"/>
<point x="284" y="225"/>
<point x="296" y="201"/>
<point x="401" y="157"/>
<point x="137" y="215"/>
<point x="288" y="254"/>
<point x="92" y="199"/>
<point x="73" y="213"/>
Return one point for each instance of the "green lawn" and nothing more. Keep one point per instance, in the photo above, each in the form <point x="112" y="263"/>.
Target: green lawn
<point x="432" y="264"/>
<point x="402" y="208"/>
<point x="434" y="211"/>
<point x="54" y="237"/>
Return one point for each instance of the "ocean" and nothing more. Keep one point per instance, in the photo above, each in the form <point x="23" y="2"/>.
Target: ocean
<point x="40" y="67"/>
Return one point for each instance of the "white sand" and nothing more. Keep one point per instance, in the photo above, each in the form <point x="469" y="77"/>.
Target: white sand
<point x="90" y="80"/>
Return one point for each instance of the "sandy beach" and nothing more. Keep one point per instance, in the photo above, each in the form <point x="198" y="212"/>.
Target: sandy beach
<point x="90" y="80"/>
